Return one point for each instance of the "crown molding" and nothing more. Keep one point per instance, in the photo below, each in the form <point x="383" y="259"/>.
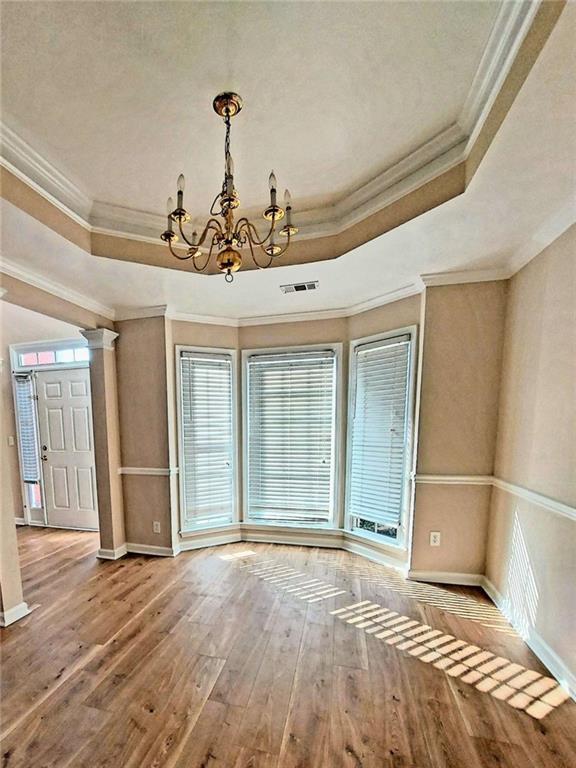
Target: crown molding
<point x="56" y="289"/>
<point x="553" y="228"/>
<point x="45" y="176"/>
<point x="411" y="289"/>
<point x="435" y="157"/>
<point x="510" y="28"/>
<point x="139" y="313"/>
<point x="465" y="276"/>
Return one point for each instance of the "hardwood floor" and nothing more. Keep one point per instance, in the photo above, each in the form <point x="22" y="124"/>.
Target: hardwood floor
<point x="279" y="657"/>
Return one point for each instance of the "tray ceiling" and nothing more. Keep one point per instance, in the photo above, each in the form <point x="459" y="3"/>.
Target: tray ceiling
<point x="117" y="96"/>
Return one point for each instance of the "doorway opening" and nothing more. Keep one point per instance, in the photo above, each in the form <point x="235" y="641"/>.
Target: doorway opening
<point x="53" y="415"/>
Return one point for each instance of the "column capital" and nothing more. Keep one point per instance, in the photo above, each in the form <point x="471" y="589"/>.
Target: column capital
<point x="100" y="338"/>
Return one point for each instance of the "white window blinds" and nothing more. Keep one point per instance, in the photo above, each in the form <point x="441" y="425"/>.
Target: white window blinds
<point x="207" y="439"/>
<point x="379" y="434"/>
<point x="291" y="435"/>
<point x="27" y="428"/>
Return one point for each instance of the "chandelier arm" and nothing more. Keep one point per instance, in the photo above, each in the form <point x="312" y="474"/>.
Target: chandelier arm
<point x="213" y="211"/>
<point x="284" y="249"/>
<point x="211" y="224"/>
<point x="245" y="223"/>
<point x="173" y="252"/>
<point x="182" y="234"/>
<point x="208" y="257"/>
<point x="255" y="260"/>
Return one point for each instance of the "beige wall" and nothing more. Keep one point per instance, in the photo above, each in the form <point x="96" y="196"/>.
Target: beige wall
<point x="142" y="395"/>
<point x="536" y="432"/>
<point x="460" y="378"/>
<point x="532" y="549"/>
<point x="462" y="353"/>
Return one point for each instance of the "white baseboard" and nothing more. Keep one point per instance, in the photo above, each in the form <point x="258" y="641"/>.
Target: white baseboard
<point x="152" y="549"/>
<point x="14" y="614"/>
<point x="536" y="643"/>
<point x="303" y="537"/>
<point x="448" y="577"/>
<point x="350" y="544"/>
<point x="210" y="540"/>
<point x="20" y="521"/>
<point x="112" y="554"/>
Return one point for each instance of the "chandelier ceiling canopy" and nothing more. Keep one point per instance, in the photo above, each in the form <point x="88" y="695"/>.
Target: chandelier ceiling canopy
<point x="227" y="238"/>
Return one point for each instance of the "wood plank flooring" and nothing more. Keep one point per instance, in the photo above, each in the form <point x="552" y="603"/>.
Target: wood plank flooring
<point x="264" y="656"/>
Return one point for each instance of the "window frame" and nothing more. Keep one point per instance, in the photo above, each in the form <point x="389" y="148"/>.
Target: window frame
<point x="233" y="354"/>
<point x="333" y="521"/>
<point x="47" y="346"/>
<point x="402" y="540"/>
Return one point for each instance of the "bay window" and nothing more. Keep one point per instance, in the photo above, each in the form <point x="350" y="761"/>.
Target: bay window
<point x="207" y="438"/>
<point x="290" y="436"/>
<point x="379" y="436"/>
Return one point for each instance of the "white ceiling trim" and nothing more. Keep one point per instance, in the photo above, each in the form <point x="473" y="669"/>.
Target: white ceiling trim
<point x="163" y="310"/>
<point x="470" y="276"/>
<point x="56" y="289"/>
<point x="430" y="160"/>
<point x="545" y="235"/>
<point x="32" y="167"/>
<point x="510" y="28"/>
<point x="551" y="230"/>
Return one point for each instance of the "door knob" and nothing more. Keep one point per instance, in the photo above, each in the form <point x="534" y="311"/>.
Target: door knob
<point x="44" y="458"/>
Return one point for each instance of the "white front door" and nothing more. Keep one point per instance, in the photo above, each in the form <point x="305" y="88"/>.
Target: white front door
<point x="67" y="448"/>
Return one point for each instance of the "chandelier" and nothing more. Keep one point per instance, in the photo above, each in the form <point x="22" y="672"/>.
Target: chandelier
<point x="227" y="238"/>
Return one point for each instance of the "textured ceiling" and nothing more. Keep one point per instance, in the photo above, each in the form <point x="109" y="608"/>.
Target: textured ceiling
<point x="117" y="95"/>
<point x="511" y="209"/>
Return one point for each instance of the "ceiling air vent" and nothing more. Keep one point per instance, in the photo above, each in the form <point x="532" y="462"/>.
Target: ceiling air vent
<point x="297" y="287"/>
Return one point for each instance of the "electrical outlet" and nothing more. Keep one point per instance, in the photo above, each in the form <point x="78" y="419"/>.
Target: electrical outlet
<point x="156" y="526"/>
<point x="11" y="441"/>
<point x="434" y="538"/>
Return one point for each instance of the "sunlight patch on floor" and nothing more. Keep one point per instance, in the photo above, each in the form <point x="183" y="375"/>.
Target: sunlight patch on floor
<point x="521" y="688"/>
<point x="460" y="605"/>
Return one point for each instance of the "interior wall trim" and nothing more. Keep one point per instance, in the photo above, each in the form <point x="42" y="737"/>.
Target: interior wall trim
<point x="448" y="577"/>
<point x="535" y="641"/>
<point x="20" y="521"/>
<point x="536" y="498"/>
<point x="496" y="482"/>
<point x="151" y="549"/>
<point x="13" y="614"/>
<point x="454" y="479"/>
<point x="111" y="554"/>
<point x="155" y="471"/>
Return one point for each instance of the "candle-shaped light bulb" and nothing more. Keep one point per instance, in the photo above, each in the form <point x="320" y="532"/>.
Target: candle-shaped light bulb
<point x="272" y="185"/>
<point x="181" y="183"/>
